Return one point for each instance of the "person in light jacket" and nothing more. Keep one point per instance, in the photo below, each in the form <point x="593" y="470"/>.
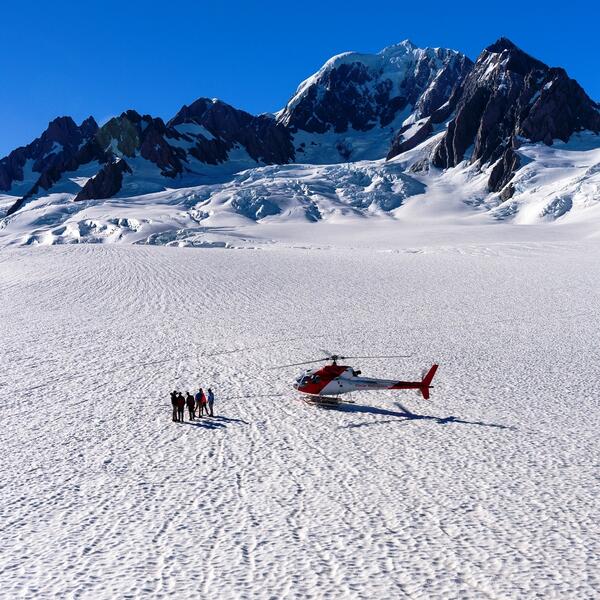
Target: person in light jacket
<point x="211" y="402"/>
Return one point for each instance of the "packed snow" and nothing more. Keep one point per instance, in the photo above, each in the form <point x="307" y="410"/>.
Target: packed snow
<point x="488" y="490"/>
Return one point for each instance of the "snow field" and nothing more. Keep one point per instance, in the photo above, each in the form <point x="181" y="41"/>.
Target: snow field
<point x="488" y="490"/>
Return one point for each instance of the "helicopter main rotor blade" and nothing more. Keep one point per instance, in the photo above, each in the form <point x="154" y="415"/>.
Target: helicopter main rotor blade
<point x="306" y="362"/>
<point x="387" y="356"/>
<point x="329" y="356"/>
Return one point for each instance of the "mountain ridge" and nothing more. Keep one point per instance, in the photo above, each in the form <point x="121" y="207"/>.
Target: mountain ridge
<point x="432" y="101"/>
<point x="509" y="95"/>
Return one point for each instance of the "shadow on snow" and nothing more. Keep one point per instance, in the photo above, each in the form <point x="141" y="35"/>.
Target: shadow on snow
<point x="404" y="416"/>
<point x="214" y="422"/>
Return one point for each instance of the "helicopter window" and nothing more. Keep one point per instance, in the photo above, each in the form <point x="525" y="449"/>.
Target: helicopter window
<point x="305" y="380"/>
<point x="315" y="379"/>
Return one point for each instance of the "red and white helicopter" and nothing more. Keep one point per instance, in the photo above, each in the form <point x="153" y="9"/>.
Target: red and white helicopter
<point x="329" y="382"/>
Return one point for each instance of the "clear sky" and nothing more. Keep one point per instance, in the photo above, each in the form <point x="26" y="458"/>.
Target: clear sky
<point x="100" y="58"/>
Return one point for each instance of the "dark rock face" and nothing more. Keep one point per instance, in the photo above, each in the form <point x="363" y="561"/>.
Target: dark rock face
<point x="221" y="128"/>
<point x="366" y="91"/>
<point x="338" y="101"/>
<point x="128" y="135"/>
<point x="131" y="134"/>
<point x="503" y="170"/>
<point x="264" y="139"/>
<point x="400" y="143"/>
<point x="54" y="150"/>
<point x="508" y="95"/>
<point x="106" y="183"/>
<point x="561" y="109"/>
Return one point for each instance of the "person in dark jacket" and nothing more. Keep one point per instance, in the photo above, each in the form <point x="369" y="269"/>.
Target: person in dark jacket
<point x="191" y="404"/>
<point x="180" y="407"/>
<point x="174" y="404"/>
<point x="211" y="400"/>
<point x="198" y="399"/>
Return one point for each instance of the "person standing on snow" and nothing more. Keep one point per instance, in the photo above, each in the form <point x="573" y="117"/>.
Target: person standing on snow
<point x="191" y="404"/>
<point x="198" y="398"/>
<point x="202" y="399"/>
<point x="211" y="401"/>
<point x="174" y="404"/>
<point x="180" y="407"/>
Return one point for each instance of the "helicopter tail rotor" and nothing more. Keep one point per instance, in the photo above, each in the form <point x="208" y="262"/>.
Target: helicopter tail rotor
<point x="426" y="382"/>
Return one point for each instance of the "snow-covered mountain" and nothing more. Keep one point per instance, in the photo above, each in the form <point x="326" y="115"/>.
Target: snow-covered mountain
<point x="43" y="161"/>
<point x="405" y="133"/>
<point x="510" y="98"/>
<point x="136" y="153"/>
<point x="354" y="105"/>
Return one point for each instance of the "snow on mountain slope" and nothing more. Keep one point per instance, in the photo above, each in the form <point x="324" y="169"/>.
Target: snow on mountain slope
<point x="353" y="106"/>
<point x="39" y="162"/>
<point x="356" y="108"/>
<point x="509" y="98"/>
<point x="488" y="490"/>
<point x="556" y="183"/>
<point x="283" y="194"/>
<point x="563" y="183"/>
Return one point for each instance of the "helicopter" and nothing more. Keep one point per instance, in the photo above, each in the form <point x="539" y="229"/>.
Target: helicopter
<point x="329" y="382"/>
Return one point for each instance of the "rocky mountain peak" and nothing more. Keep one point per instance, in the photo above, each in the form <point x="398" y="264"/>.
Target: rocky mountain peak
<point x="500" y="45"/>
<point x="61" y="130"/>
<point x="221" y="127"/>
<point x="505" y="57"/>
<point x="507" y="96"/>
<point x="55" y="147"/>
<point x="194" y="113"/>
<point x="363" y="91"/>
<point x="88" y="127"/>
<point x="355" y="93"/>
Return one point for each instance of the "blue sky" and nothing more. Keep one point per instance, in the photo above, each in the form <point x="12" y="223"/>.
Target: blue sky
<point x="100" y="58"/>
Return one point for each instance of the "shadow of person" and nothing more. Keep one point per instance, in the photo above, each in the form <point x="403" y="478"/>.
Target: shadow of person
<point x="405" y="416"/>
<point x="229" y="420"/>
<point x="206" y="424"/>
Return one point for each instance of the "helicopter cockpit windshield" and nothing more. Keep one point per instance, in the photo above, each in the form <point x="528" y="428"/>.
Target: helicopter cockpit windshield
<point x="306" y="379"/>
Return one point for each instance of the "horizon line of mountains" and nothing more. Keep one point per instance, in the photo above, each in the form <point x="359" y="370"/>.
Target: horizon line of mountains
<point x="356" y="107"/>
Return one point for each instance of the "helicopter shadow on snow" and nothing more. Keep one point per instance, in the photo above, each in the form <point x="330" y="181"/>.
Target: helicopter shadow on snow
<point x="405" y="417"/>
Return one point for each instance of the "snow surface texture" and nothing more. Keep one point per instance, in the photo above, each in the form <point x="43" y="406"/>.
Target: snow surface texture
<point x="558" y="184"/>
<point x="488" y="490"/>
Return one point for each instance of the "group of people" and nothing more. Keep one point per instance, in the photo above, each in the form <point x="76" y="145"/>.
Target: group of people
<point x="200" y="403"/>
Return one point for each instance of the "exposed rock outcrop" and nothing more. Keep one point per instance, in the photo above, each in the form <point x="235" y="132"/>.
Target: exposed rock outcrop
<point x="510" y="95"/>
<point x="364" y="91"/>
<point x="106" y="183"/>
<point x="54" y="150"/>
<point x="132" y="134"/>
<point x="261" y="136"/>
<point x="409" y="137"/>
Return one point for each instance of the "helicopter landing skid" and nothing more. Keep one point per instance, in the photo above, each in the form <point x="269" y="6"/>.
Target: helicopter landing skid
<point x="326" y="400"/>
